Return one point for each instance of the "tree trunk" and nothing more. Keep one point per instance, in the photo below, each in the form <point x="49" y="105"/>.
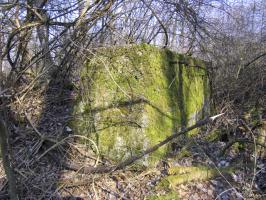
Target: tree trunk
<point x="6" y="157"/>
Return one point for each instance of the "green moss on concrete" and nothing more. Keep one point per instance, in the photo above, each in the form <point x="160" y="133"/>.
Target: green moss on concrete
<point x="169" y="196"/>
<point x="238" y="147"/>
<point x="135" y="96"/>
<point x="184" y="152"/>
<point x="213" y="135"/>
<point x="182" y="175"/>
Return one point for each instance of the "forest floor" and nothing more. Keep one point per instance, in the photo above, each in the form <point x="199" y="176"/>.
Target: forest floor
<point x="42" y="118"/>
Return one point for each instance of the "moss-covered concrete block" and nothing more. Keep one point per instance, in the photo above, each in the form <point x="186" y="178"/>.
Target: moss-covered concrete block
<point x="135" y="96"/>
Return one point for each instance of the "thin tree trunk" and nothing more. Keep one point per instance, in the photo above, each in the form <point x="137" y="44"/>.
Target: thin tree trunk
<point x="6" y="157"/>
<point x="1" y="61"/>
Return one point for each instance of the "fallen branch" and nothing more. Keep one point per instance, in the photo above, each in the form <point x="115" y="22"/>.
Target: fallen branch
<point x="123" y="164"/>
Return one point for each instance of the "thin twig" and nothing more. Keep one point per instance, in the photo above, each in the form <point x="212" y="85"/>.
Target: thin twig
<point x="255" y="153"/>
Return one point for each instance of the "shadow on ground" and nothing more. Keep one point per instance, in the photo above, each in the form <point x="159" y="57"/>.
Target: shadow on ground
<point x="44" y="111"/>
